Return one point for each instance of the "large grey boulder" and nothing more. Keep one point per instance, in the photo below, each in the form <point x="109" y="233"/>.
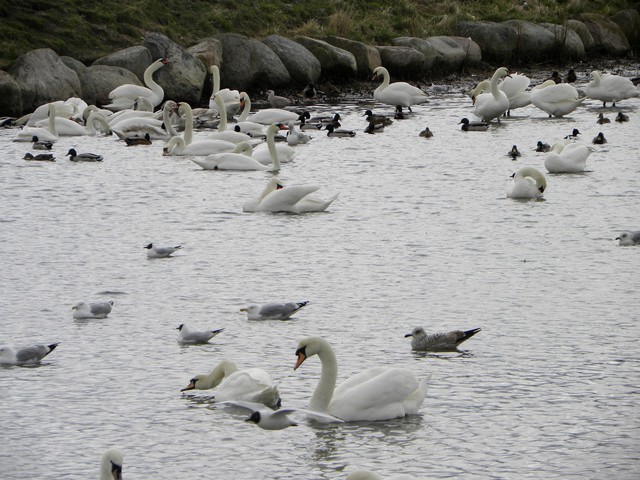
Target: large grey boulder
<point x="209" y="51"/>
<point x="421" y="45"/>
<point x="583" y="32"/>
<point x="607" y="35"/>
<point x="135" y="59"/>
<point x="402" y="62"/>
<point x="10" y="96"/>
<point x="629" y="22"/>
<point x="250" y="64"/>
<point x="337" y="63"/>
<point x="533" y="42"/>
<point x="43" y="77"/>
<point x="497" y="41"/>
<point x="568" y="43"/>
<point x="449" y="54"/>
<point x="104" y="78"/>
<point x="473" y="52"/>
<point x="302" y="65"/>
<point x="183" y="77"/>
<point x="367" y="57"/>
<point x="86" y="84"/>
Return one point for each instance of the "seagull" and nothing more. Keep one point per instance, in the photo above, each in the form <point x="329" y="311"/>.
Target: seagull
<point x="160" y="252"/>
<point x="272" y="311"/>
<point x="92" y="310"/>
<point x="439" y="342"/>
<point x="187" y="337"/>
<point x="268" y="419"/>
<point x="629" y="238"/>
<point x="83" y="157"/>
<point x="25" y="356"/>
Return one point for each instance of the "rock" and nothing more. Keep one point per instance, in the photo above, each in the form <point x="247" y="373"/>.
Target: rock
<point x="367" y="57"/>
<point x="423" y="46"/>
<point x="568" y="43"/>
<point x="43" y="78"/>
<point x="302" y="65"/>
<point x="583" y="32"/>
<point x="607" y="35"/>
<point x="86" y="82"/>
<point x="105" y="78"/>
<point x="402" y="62"/>
<point x="135" y="59"/>
<point x="629" y="22"/>
<point x="496" y="40"/>
<point x="472" y="50"/>
<point x="10" y="96"/>
<point x="209" y="51"/>
<point x="249" y="63"/>
<point x="449" y="54"/>
<point x="533" y="42"/>
<point x="337" y="63"/>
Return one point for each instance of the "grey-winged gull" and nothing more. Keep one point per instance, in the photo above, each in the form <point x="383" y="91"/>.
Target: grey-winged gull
<point x="29" y="355"/>
<point x="272" y="311"/>
<point x="439" y="342"/>
<point x="268" y="419"/>
<point x="92" y="310"/>
<point x="188" y="337"/>
<point x="160" y="252"/>
<point x="629" y="238"/>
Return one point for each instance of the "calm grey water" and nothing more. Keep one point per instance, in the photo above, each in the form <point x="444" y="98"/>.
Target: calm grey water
<point x="422" y="234"/>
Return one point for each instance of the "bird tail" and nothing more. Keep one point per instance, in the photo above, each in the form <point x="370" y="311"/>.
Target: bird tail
<point x="302" y="304"/>
<point x="216" y="332"/>
<point x="470" y="333"/>
<point x="52" y="347"/>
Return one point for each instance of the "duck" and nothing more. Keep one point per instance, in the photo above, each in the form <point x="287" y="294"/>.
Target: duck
<point x="124" y="96"/>
<point x="542" y="147"/>
<point x="377" y="118"/>
<point x="515" y="87"/>
<point x="426" y="133"/>
<point x="238" y="159"/>
<point x="610" y="88"/>
<point x="374" y="128"/>
<point x="379" y="393"/>
<point x="468" y="126"/>
<point x="309" y="90"/>
<point x="400" y="114"/>
<point x="439" y="342"/>
<point x="276" y="101"/>
<point x="554" y="77"/>
<point x="41" y="144"/>
<point x="83" y="157"/>
<point x="573" y="135"/>
<point x="602" y="119"/>
<point x="41" y="157"/>
<point x="527" y="183"/>
<point x="277" y="198"/>
<point x="629" y="238"/>
<point x="514" y="153"/>
<point x="295" y="137"/>
<point x="46" y="134"/>
<point x="6" y="122"/>
<point x="97" y="310"/>
<point x="621" y="117"/>
<point x="273" y="311"/>
<point x="111" y="465"/>
<point x="137" y="140"/>
<point x="599" y="139"/>
<point x="567" y="158"/>
<point x="153" y="251"/>
<point x="332" y="132"/>
<point x="188" y="337"/>
<point x="397" y="93"/>
<point x="233" y="384"/>
<point x="570" y="77"/>
<point x="556" y="100"/>
<point x="29" y="355"/>
<point x="493" y="104"/>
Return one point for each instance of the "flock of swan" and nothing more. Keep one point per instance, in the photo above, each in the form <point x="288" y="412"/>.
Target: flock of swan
<point x="378" y="393"/>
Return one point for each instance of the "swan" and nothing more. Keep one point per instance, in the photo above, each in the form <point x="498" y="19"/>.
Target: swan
<point x="556" y="100"/>
<point x="188" y="337"/>
<point x="293" y="199"/>
<point x="252" y="204"/>
<point x="396" y="93"/>
<point x="295" y="137"/>
<point x="176" y="146"/>
<point x="207" y="146"/>
<point x="267" y="116"/>
<point x="141" y="126"/>
<point x="92" y="310"/>
<point x="379" y="393"/>
<point x="250" y="385"/>
<point x="111" y="465"/>
<point x="62" y="109"/>
<point x="439" y="342"/>
<point x="71" y="128"/>
<point x="125" y="95"/>
<point x="237" y="159"/>
<point x="515" y="86"/>
<point x="48" y="134"/>
<point x="29" y="355"/>
<point x="570" y="158"/>
<point x="493" y="104"/>
<point x="285" y="153"/>
<point x="223" y="133"/>
<point x="527" y="183"/>
<point x="153" y="251"/>
<point x="231" y="98"/>
<point x="610" y="88"/>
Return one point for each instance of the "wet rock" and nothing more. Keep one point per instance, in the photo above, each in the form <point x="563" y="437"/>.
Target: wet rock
<point x="583" y="32"/>
<point x="629" y="22"/>
<point x="367" y="57"/>
<point x="302" y="65"/>
<point x="10" y="95"/>
<point x="533" y="42"/>
<point x="337" y="63"/>
<point x="607" y="35"/>
<point x="496" y="40"/>
<point x="135" y="59"/>
<point x="402" y="62"/>
<point x="568" y="44"/>
<point x="209" y="51"/>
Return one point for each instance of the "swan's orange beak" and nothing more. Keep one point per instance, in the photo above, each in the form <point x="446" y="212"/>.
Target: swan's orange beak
<point x="301" y="358"/>
<point x="191" y="386"/>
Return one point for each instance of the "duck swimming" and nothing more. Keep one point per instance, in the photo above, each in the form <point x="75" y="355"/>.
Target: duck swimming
<point x="468" y="126"/>
<point x="83" y="157"/>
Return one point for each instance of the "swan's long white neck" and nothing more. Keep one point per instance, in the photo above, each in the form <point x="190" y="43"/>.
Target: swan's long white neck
<point x="495" y="80"/>
<point x="213" y="379"/>
<point x="95" y="116"/>
<point x="222" y="127"/>
<point x="166" y="117"/>
<point x="247" y="107"/>
<point x="215" y="72"/>
<point x="597" y="78"/>
<point x="157" y="90"/>
<point x="188" y="123"/>
<point x="386" y="79"/>
<point x="52" y="119"/>
<point x="271" y="145"/>
<point x="175" y="145"/>
<point x="323" y="393"/>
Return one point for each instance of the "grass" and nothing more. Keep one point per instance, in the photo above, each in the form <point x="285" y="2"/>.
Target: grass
<point x="90" y="29"/>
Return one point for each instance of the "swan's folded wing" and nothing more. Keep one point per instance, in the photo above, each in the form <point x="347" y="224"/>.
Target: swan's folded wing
<point x="284" y="199"/>
<point x="129" y="91"/>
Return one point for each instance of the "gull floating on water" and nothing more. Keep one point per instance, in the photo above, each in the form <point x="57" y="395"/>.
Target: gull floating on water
<point x="439" y="342"/>
<point x="26" y="355"/>
<point x="188" y="337"/>
<point x="92" y="310"/>
<point x="268" y="419"/>
<point x="160" y="252"/>
<point x="629" y="238"/>
<point x="272" y="311"/>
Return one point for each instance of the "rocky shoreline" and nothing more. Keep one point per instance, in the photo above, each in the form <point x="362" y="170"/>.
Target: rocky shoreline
<point x="339" y="66"/>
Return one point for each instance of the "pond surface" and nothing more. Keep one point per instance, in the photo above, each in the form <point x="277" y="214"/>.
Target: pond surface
<point x="421" y="234"/>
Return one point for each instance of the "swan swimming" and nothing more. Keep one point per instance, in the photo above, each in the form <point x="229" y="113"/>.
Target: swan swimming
<point x="48" y="134"/>
<point x="397" y="93"/>
<point x="124" y="96"/>
<point x="569" y="158"/>
<point x="379" y="393"/>
<point x="527" y="183"/>
<point x="293" y="199"/>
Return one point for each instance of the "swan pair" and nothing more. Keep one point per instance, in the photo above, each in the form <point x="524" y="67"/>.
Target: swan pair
<point x="293" y="199"/>
<point x="124" y="96"/>
<point x="527" y="183"/>
<point x="610" y="88"/>
<point x="231" y="384"/>
<point x="397" y="94"/>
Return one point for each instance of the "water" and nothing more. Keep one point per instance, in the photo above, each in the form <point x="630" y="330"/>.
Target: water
<point x="421" y="234"/>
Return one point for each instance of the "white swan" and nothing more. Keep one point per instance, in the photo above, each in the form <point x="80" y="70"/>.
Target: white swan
<point x="610" y="88"/>
<point x="71" y="128"/>
<point x="250" y="384"/>
<point x="231" y="98"/>
<point x="396" y="93"/>
<point x="62" y="109"/>
<point x="125" y="95"/>
<point x="570" y="158"/>
<point x="494" y="103"/>
<point x="379" y="393"/>
<point x="237" y="159"/>
<point x="556" y="99"/>
<point x="176" y="146"/>
<point x="48" y="134"/>
<point x="223" y="133"/>
<point x="139" y="126"/>
<point x="295" y="137"/>
<point x="527" y="183"/>
<point x="111" y="465"/>
<point x="267" y="116"/>
<point x="252" y="204"/>
<point x="515" y="87"/>
<point x="292" y="199"/>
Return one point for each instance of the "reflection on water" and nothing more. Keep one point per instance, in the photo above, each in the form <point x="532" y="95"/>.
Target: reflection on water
<point x="421" y="234"/>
